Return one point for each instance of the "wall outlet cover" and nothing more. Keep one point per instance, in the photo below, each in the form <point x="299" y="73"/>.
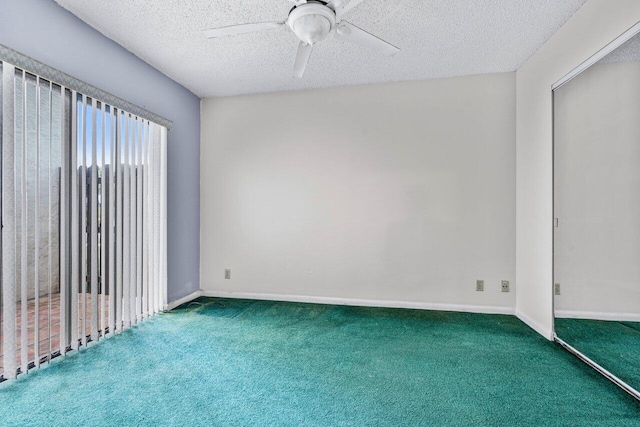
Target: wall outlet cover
<point x="479" y="285"/>
<point x="505" y="286"/>
<point x="227" y="274"/>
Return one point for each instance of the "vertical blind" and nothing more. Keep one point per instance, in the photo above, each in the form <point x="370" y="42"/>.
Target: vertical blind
<point x="83" y="202"/>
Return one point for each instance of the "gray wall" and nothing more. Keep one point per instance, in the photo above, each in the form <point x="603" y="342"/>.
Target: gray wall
<point x="43" y="30"/>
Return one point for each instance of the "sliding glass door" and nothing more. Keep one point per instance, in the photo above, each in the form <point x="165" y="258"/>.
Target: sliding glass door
<point x="83" y="223"/>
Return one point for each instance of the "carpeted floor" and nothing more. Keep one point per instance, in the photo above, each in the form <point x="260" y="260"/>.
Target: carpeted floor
<point x="613" y="345"/>
<point x="258" y="363"/>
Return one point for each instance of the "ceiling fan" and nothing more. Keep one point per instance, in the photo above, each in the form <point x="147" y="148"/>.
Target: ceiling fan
<point x="312" y="21"/>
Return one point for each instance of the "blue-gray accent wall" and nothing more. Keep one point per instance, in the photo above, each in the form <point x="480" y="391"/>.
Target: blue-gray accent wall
<point x="44" y="31"/>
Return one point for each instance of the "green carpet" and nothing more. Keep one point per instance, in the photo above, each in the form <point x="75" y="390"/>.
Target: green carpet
<point x="258" y="363"/>
<point x="613" y="345"/>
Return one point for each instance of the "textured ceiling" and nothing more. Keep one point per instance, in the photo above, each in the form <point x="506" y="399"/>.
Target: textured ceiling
<point x="438" y="38"/>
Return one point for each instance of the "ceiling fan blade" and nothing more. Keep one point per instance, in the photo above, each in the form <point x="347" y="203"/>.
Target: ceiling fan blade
<point x="350" y="33"/>
<point x="302" y="58"/>
<point x="242" y="29"/>
<point x="344" y="6"/>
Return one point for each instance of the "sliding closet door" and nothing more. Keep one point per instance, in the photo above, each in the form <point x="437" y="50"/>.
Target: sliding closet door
<point x="597" y="206"/>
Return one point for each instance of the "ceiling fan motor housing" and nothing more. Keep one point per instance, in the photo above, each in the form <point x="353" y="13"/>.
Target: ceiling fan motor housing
<point x="312" y="22"/>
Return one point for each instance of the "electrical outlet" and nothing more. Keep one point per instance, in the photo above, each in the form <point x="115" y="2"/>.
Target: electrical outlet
<point x="505" y="286"/>
<point x="227" y="274"/>
<point x="479" y="285"/>
<point x="556" y="288"/>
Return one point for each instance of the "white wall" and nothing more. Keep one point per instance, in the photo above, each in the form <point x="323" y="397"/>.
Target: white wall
<point x="596" y="24"/>
<point x="400" y="194"/>
<point x="597" y="193"/>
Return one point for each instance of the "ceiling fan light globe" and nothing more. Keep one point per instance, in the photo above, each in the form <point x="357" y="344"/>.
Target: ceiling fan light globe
<point x="312" y="29"/>
<point x="312" y="22"/>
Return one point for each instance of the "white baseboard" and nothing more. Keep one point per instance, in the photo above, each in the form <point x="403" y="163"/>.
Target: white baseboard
<point x="535" y="325"/>
<point x="362" y="302"/>
<point x="596" y="315"/>
<point x="182" y="300"/>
